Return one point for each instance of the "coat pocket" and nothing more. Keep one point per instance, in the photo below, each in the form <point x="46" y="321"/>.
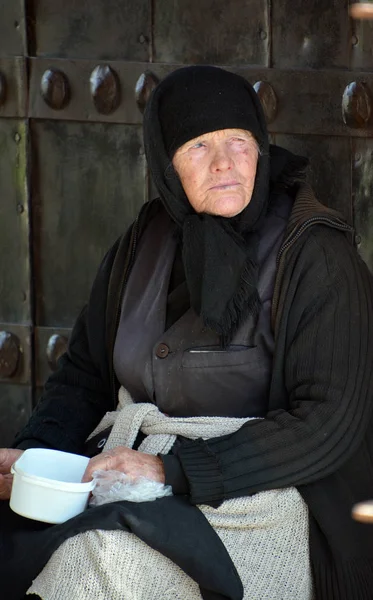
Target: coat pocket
<point x="215" y="356"/>
<point x="231" y="383"/>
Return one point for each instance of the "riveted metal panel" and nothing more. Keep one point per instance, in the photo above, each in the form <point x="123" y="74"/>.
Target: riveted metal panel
<point x="307" y="101"/>
<point x="84" y="29"/>
<point x="211" y="31"/>
<point x="12" y="27"/>
<point x="14" y="223"/>
<point x="362" y="185"/>
<point x="80" y="105"/>
<point x="15" y="410"/>
<point x="90" y="185"/>
<point x="13" y="84"/>
<point x="310" y="34"/>
<point x="329" y="169"/>
<point x="361" y="44"/>
<point x="310" y="101"/>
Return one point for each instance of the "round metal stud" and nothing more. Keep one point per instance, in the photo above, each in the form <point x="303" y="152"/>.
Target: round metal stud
<point x="144" y="87"/>
<point x="57" y="346"/>
<point x="105" y="89"/>
<point x="268" y="99"/>
<point x="55" y="89"/>
<point x="356" y="105"/>
<point x="2" y="89"/>
<point x="9" y="354"/>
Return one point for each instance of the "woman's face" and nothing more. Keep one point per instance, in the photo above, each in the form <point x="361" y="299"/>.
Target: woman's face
<point x="217" y="171"/>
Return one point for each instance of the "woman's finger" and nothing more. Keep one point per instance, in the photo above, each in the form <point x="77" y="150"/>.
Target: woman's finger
<point x="5" y="486"/>
<point x="363" y="10"/>
<point x="8" y="456"/>
<point x="107" y="461"/>
<point x="131" y="462"/>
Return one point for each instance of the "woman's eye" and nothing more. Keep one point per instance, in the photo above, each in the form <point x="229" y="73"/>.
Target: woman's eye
<point x="198" y="145"/>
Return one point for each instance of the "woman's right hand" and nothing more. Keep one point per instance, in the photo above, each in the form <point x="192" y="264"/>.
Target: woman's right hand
<point x="8" y="456"/>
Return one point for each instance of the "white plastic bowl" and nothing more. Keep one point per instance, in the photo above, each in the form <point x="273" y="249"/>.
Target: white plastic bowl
<point x="47" y="485"/>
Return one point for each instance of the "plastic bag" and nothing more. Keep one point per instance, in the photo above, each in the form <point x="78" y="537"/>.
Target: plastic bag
<point x="111" y="486"/>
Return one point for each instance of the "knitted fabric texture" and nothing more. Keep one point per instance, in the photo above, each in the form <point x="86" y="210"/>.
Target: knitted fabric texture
<point x="266" y="534"/>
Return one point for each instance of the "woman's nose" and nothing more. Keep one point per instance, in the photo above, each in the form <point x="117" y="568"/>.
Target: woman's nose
<point x="221" y="160"/>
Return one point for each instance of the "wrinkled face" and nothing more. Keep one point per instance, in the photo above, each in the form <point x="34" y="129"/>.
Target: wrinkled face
<point x="217" y="171"/>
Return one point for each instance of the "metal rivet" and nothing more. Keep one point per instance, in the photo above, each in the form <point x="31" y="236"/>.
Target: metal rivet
<point x="263" y="34"/>
<point x="354" y="40"/>
<point x="105" y="89"/>
<point x="2" y="89"/>
<point x="55" y="89"/>
<point x="356" y="105"/>
<point x="17" y="138"/>
<point x="57" y="346"/>
<point x="142" y="39"/>
<point x="9" y="354"/>
<point x="144" y="87"/>
<point x="357" y="239"/>
<point x="20" y="209"/>
<point x="268" y="99"/>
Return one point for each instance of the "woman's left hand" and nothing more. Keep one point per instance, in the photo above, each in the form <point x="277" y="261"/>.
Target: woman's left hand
<point x="131" y="462"/>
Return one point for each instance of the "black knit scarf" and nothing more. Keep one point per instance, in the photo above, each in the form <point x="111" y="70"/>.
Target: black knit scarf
<point x="219" y="254"/>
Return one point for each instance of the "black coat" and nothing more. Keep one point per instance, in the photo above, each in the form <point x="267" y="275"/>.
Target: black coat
<point x="317" y="435"/>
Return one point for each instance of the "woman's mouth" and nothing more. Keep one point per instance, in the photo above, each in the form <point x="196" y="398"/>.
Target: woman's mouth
<point x="224" y="186"/>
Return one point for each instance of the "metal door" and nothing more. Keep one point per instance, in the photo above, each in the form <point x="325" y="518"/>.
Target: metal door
<point x="74" y="79"/>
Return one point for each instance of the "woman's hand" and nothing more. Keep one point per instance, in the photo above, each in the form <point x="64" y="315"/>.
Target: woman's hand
<point x="8" y="456"/>
<point x="131" y="462"/>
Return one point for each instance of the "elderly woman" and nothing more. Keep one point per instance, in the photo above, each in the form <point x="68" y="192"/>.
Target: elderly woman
<point x="237" y="314"/>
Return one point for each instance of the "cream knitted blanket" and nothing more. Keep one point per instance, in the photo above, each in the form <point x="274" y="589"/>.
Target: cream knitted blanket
<point x="265" y="534"/>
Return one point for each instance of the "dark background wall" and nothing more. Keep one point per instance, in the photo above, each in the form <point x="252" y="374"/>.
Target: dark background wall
<point x="74" y="79"/>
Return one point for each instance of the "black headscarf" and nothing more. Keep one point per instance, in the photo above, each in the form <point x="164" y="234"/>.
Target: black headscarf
<point x="219" y="254"/>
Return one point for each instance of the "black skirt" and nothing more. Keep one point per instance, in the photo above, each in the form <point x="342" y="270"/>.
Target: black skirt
<point x="169" y="525"/>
